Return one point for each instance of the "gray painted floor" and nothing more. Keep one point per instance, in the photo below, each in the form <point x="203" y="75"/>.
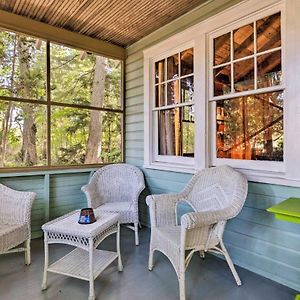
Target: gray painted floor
<point x="206" y="280"/>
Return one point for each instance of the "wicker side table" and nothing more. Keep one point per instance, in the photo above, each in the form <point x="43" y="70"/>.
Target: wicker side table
<point x="85" y="262"/>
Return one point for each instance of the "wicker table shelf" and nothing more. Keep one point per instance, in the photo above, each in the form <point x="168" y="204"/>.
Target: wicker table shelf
<point x="85" y="261"/>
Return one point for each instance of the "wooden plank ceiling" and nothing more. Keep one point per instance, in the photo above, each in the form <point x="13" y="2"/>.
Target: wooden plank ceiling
<point x="118" y="22"/>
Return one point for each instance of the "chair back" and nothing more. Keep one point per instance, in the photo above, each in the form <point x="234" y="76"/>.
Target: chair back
<point x="117" y="183"/>
<point x="217" y="188"/>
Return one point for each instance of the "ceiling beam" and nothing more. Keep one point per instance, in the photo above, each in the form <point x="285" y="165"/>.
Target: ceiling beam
<point x="45" y="31"/>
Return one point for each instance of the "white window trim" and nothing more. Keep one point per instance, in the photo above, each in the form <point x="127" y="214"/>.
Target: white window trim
<point x="270" y="166"/>
<point x="168" y="162"/>
<point x="287" y="173"/>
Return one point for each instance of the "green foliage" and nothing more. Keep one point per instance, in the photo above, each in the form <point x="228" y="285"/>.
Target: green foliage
<point x="72" y="77"/>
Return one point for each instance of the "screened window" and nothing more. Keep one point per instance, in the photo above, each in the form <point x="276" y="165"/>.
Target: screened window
<point x="174" y="104"/>
<point x="248" y="90"/>
<point x="58" y="106"/>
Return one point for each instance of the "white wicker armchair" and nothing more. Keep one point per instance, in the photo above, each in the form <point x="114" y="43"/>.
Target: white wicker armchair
<point x="116" y="188"/>
<point x="216" y="195"/>
<point x="15" y="215"/>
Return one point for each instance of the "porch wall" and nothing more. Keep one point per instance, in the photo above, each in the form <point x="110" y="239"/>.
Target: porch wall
<point x="57" y="194"/>
<point x="255" y="239"/>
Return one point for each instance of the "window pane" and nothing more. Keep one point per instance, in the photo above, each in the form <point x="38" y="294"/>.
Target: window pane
<point x="251" y="127"/>
<point x="84" y="136"/>
<point x="111" y="140"/>
<point x="176" y="131"/>
<point x="269" y="69"/>
<point x="160" y="71"/>
<point x="172" y="66"/>
<point x="23" y="136"/>
<point x="222" y="49"/>
<point x="187" y="89"/>
<point x="187" y="62"/>
<point x="222" y="80"/>
<point x="23" y="66"/>
<point x="188" y="131"/>
<point x="244" y="75"/>
<point x="160" y="95"/>
<point x="173" y="92"/>
<point x="243" y="41"/>
<point x="88" y="79"/>
<point x="268" y="33"/>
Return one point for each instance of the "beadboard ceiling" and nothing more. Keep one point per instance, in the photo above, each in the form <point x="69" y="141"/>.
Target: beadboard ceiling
<point x="119" y="22"/>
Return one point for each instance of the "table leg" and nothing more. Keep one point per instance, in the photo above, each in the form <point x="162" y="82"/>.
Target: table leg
<point x="120" y="265"/>
<point x="91" y="268"/>
<point x="46" y="263"/>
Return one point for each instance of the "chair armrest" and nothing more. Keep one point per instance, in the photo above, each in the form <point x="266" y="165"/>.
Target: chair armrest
<point x="163" y="208"/>
<point x="90" y="192"/>
<point x="199" y="219"/>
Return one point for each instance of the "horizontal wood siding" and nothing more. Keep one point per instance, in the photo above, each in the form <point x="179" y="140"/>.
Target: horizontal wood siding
<point x="255" y="239"/>
<point x="55" y="199"/>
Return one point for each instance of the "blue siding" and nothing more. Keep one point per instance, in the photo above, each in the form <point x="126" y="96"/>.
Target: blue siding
<point x="255" y="239"/>
<point x="61" y="196"/>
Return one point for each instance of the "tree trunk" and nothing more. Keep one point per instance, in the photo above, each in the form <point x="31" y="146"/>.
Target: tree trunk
<point x="93" y="149"/>
<point x="28" y="151"/>
<point x="7" y="120"/>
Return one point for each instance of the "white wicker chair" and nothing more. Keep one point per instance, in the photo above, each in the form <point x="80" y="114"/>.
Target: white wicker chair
<point x="116" y="188"/>
<point x="216" y="195"/>
<point x="15" y="214"/>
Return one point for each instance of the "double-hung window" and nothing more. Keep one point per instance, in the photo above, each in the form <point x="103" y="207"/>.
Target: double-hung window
<point x="247" y="91"/>
<point x="172" y="109"/>
<point x="245" y="108"/>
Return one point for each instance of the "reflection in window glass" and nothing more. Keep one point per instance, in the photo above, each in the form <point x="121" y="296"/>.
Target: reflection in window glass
<point x="160" y="71"/>
<point x="83" y="136"/>
<point x="172" y="67"/>
<point x="187" y="62"/>
<point x="222" y="80"/>
<point x="173" y="92"/>
<point x="243" y="75"/>
<point x="243" y="41"/>
<point x="268" y="32"/>
<point x="88" y="79"/>
<point x="251" y="127"/>
<point x="176" y="131"/>
<point x="222" y="49"/>
<point x="160" y="95"/>
<point x="23" y="135"/>
<point x="23" y="66"/>
<point x="187" y="89"/>
<point x="269" y="69"/>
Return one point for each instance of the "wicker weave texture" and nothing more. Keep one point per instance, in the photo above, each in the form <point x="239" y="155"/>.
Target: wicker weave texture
<point x="117" y="187"/>
<point x="15" y="216"/>
<point x="216" y="195"/>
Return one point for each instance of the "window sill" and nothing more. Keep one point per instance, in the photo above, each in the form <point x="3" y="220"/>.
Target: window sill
<point x="277" y="178"/>
<point x="171" y="167"/>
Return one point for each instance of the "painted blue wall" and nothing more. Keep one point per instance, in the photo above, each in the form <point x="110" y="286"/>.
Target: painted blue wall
<point x="58" y="193"/>
<point x="255" y="239"/>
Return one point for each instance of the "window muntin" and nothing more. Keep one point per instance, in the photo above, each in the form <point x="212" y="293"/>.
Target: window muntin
<point x="248" y="55"/>
<point x="78" y="135"/>
<point x="249" y="121"/>
<point x="173" y="104"/>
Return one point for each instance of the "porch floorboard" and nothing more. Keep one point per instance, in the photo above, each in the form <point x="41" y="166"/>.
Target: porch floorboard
<point x="207" y="279"/>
